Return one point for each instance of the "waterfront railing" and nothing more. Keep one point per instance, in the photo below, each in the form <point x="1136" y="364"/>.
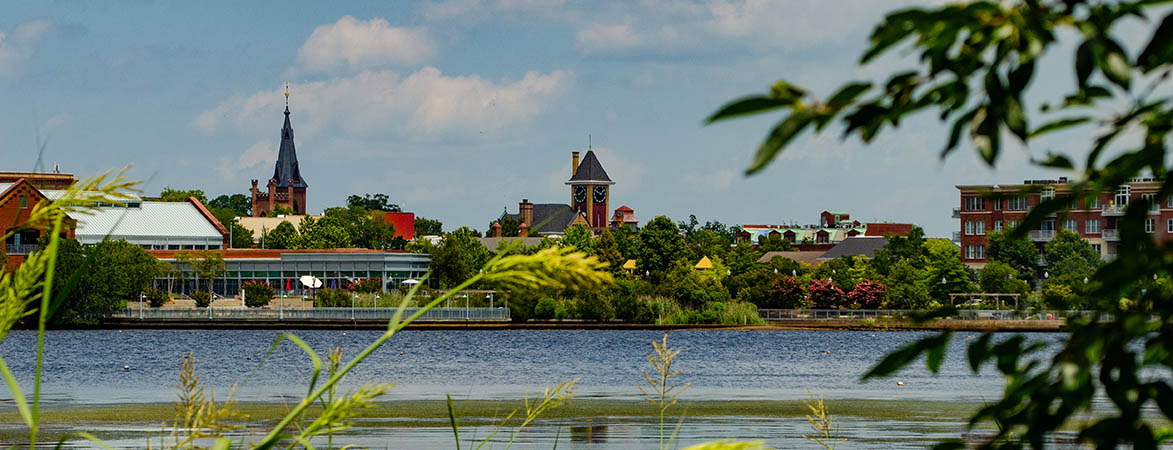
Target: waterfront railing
<point x="312" y="314"/>
<point x="965" y="314"/>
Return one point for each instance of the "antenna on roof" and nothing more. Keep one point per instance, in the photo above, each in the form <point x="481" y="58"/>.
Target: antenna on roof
<point x="588" y="141"/>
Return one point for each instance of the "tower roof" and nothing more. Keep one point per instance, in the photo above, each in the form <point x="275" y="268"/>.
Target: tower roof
<point x="287" y="168"/>
<point x="590" y="172"/>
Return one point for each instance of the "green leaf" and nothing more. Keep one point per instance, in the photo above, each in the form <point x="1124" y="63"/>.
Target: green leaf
<point x="1115" y="66"/>
<point x="452" y="420"/>
<point x="745" y="106"/>
<point x="959" y="125"/>
<point x="22" y="404"/>
<point x="1020" y="76"/>
<point x="847" y="94"/>
<point x="1059" y="125"/>
<point x="1015" y="118"/>
<point x="893" y="362"/>
<point x="1083" y="62"/>
<point x="223" y="444"/>
<point x="985" y="136"/>
<point x="1056" y="161"/>
<point x="778" y="138"/>
<point x="979" y="351"/>
<point x="1159" y="51"/>
<point x="784" y="91"/>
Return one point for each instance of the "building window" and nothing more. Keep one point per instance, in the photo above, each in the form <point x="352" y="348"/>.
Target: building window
<point x="969" y="228"/>
<point x="1095" y="203"/>
<point x="998" y="226"/>
<point x="980" y="252"/>
<point x="24" y="201"/>
<point x="979" y="228"/>
<point x="969" y="252"/>
<point x="1010" y="224"/>
<point x="975" y="204"/>
<point x="1016" y="203"/>
<point x="1152" y="200"/>
<point x="997" y="204"/>
<point x="1091" y="226"/>
<point x="1149" y="224"/>
<point x="1169" y="202"/>
<point x="1097" y="248"/>
<point x="1071" y="225"/>
<point x="1122" y="195"/>
<point x="1048" y="193"/>
<point x="1170" y="225"/>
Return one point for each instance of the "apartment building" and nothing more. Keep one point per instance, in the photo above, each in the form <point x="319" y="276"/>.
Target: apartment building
<point x="1094" y="219"/>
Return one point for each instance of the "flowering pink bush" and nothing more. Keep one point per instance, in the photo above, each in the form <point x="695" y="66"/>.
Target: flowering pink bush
<point x="868" y="295"/>
<point x="823" y="294"/>
<point x="787" y="294"/>
<point x="366" y="286"/>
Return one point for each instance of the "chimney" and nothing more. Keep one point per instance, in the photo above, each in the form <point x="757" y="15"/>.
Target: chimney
<point x="256" y="212"/>
<point x="496" y="230"/>
<point x="523" y="230"/>
<point x="573" y="164"/>
<point x="525" y="210"/>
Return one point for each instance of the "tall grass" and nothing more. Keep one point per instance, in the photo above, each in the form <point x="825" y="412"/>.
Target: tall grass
<point x="660" y="390"/>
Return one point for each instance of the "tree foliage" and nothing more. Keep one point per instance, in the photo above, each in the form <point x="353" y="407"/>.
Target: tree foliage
<point x="428" y="227"/>
<point x="239" y="204"/>
<point x="108" y="274"/>
<point x="1014" y="250"/>
<point x="283" y="236"/>
<point x="974" y="67"/>
<point x="376" y="202"/>
<point x="176" y="195"/>
<point x="660" y="244"/>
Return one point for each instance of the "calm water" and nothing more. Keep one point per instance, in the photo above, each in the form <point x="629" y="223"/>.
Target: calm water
<point x="86" y="367"/>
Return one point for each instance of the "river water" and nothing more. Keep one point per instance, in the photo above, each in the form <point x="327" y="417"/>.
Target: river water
<point x="87" y="367"/>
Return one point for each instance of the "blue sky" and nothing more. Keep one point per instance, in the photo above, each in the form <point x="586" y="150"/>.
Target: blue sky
<point x="458" y="108"/>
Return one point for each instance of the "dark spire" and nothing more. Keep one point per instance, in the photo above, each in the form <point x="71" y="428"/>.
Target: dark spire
<point x="590" y="171"/>
<point x="287" y="168"/>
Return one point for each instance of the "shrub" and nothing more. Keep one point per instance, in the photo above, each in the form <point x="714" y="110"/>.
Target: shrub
<point x="741" y="313"/>
<point x="257" y="294"/>
<point x="868" y="295"/>
<point x="368" y="286"/>
<point x="787" y="294"/>
<point x="331" y="298"/>
<point x="597" y="308"/>
<point x="202" y="299"/>
<point x="156" y="297"/>
<point x="567" y="309"/>
<point x="822" y="294"/>
<point x="545" y="309"/>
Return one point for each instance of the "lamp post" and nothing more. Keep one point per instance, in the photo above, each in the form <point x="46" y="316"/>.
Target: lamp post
<point x="352" y="298"/>
<point x="141" y="297"/>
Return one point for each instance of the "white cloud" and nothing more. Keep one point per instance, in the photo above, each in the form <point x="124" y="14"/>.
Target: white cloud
<point x="261" y="154"/>
<point x="17" y="47"/>
<point x="354" y="44"/>
<point x="425" y="105"/>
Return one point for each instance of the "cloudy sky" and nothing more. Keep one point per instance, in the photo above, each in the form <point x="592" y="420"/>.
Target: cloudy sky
<point x="459" y="108"/>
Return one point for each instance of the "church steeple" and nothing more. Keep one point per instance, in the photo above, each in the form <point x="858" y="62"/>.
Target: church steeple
<point x="287" y="168"/>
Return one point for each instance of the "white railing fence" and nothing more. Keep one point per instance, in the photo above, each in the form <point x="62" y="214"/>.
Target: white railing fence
<point x="304" y="314"/>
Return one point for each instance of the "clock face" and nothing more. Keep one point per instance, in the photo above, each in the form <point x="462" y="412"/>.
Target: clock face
<point x="600" y="194"/>
<point x="580" y="194"/>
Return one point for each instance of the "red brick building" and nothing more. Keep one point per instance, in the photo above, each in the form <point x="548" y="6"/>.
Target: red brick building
<point x="1094" y="219"/>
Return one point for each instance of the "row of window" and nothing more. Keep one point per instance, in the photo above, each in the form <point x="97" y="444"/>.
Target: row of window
<point x="1090" y="226"/>
<point x="1150" y="225"/>
<point x="1123" y="194"/>
<point x="978" y="228"/>
<point x="975" y="252"/>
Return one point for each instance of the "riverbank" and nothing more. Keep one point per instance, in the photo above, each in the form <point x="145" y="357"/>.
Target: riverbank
<point x="773" y="325"/>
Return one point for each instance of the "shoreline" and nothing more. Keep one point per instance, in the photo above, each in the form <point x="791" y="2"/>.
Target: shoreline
<point x="773" y="325"/>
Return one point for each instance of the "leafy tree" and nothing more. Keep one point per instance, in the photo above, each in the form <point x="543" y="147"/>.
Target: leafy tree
<point x="457" y="257"/>
<point x="754" y="286"/>
<point x="377" y="202"/>
<point x="175" y="195"/>
<point x="208" y="265"/>
<point x="327" y="232"/>
<point x="788" y="294"/>
<point x="906" y="287"/>
<point x="257" y="294"/>
<point x="241" y="237"/>
<point x="822" y="294"/>
<point x="705" y="242"/>
<point x="279" y="210"/>
<point x="743" y="257"/>
<point x="579" y="237"/>
<point x="974" y="66"/>
<point x="694" y="288"/>
<point x="283" y="236"/>
<point x="688" y="228"/>
<point x="943" y="262"/>
<point x="868" y="295"/>
<point x="508" y="225"/>
<point x="773" y="242"/>
<point x="202" y="299"/>
<point x="366" y="228"/>
<point x="909" y="248"/>
<point x="607" y="250"/>
<point x="166" y="270"/>
<point x="109" y="274"/>
<point x="1070" y="247"/>
<point x="1016" y="251"/>
<point x="837" y="270"/>
<point x="1000" y="278"/>
<point x="659" y="246"/>
<point x="428" y="227"/>
<point x="156" y="298"/>
<point x="239" y="204"/>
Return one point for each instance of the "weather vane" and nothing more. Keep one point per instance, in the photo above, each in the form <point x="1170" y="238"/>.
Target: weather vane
<point x="286" y="95"/>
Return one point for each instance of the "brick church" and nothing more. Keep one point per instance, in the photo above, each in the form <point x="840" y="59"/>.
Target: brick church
<point x="287" y="188"/>
<point x="590" y="199"/>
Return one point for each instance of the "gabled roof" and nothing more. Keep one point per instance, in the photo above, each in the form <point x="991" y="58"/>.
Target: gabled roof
<point x="704" y="263"/>
<point x="152" y="219"/>
<point x="287" y="168"/>
<point x="550" y="218"/>
<point x="855" y="246"/>
<point x="590" y="171"/>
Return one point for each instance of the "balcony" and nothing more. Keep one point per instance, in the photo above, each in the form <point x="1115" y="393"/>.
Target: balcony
<point x="956" y="213"/>
<point x="1114" y="210"/>
<point x="1110" y="234"/>
<point x="19" y="249"/>
<point x="956" y="236"/>
<point x="1042" y="235"/>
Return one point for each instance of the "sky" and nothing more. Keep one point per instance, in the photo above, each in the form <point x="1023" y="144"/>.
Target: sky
<point x="458" y="109"/>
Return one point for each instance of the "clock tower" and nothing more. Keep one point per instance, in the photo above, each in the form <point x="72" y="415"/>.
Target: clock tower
<point x="590" y="189"/>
